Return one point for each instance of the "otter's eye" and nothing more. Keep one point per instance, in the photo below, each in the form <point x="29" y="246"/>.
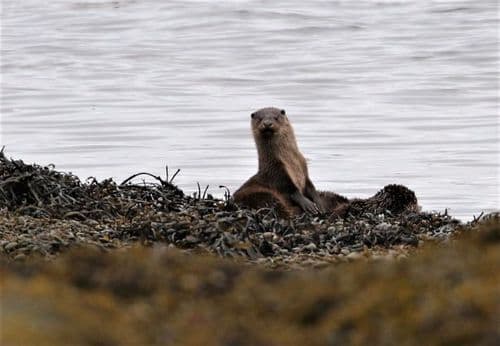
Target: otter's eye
<point x="283" y="112"/>
<point x="253" y="115"/>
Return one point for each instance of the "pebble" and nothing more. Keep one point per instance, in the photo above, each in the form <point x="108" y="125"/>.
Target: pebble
<point x="268" y="236"/>
<point x="191" y="239"/>
<point x="354" y="255"/>
<point x="10" y="246"/>
<point x="383" y="227"/>
<point x="311" y="247"/>
<point x="19" y="257"/>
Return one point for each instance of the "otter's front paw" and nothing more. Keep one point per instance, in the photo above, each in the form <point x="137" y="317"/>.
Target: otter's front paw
<point x="321" y="208"/>
<point x="310" y="207"/>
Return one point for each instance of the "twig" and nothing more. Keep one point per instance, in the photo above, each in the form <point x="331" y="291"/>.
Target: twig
<point x="205" y="192"/>
<point x="142" y="173"/>
<point x="173" y="177"/>
<point x="478" y="218"/>
<point x="227" y="193"/>
<point x="199" y="190"/>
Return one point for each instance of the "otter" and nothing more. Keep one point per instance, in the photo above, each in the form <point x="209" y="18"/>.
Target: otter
<point x="282" y="180"/>
<point x="282" y="175"/>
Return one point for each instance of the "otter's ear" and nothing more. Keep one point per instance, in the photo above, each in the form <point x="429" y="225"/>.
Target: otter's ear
<point x="283" y="112"/>
<point x="252" y="115"/>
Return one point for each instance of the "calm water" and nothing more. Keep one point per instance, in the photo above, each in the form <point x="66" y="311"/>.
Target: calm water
<point x="379" y="91"/>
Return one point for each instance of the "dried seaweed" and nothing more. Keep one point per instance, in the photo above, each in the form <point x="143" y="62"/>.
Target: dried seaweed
<point x="110" y="215"/>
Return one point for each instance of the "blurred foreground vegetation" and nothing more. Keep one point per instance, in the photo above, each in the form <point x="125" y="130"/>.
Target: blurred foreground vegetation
<point x="444" y="294"/>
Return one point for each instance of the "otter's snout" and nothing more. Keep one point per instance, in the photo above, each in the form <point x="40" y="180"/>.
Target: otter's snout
<point x="267" y="124"/>
<point x="267" y="127"/>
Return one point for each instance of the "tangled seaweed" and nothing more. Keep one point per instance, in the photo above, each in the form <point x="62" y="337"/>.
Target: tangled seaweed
<point x="45" y="211"/>
<point x="44" y="192"/>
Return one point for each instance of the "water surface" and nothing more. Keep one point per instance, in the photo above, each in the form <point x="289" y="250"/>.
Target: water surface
<point x="379" y="92"/>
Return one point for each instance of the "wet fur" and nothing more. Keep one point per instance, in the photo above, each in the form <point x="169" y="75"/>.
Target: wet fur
<point x="283" y="171"/>
<point x="282" y="167"/>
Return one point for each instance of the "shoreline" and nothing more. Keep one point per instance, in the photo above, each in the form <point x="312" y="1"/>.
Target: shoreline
<point x="141" y="263"/>
<point x="189" y="188"/>
<point x="46" y="212"/>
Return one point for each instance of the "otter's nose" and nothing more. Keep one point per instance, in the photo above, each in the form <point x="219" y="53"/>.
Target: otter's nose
<point x="268" y="124"/>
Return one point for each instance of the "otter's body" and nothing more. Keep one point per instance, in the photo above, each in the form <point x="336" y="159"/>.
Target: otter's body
<point x="282" y="176"/>
<point x="283" y="180"/>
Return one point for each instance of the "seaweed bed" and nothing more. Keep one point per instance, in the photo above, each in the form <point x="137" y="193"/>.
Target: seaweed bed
<point x="370" y="278"/>
<point x="45" y="212"/>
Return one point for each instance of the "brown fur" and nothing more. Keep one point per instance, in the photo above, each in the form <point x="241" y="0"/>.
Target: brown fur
<point x="257" y="196"/>
<point x="282" y="167"/>
<point x="282" y="180"/>
<point x="282" y="146"/>
<point x="393" y="198"/>
<point x="334" y="203"/>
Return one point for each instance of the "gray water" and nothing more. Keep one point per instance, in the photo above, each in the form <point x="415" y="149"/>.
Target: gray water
<point x="379" y="92"/>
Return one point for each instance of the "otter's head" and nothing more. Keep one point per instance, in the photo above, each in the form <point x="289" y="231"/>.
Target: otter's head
<point x="269" y="122"/>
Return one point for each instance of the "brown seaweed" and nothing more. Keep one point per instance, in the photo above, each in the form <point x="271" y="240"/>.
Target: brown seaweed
<point x="45" y="211"/>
